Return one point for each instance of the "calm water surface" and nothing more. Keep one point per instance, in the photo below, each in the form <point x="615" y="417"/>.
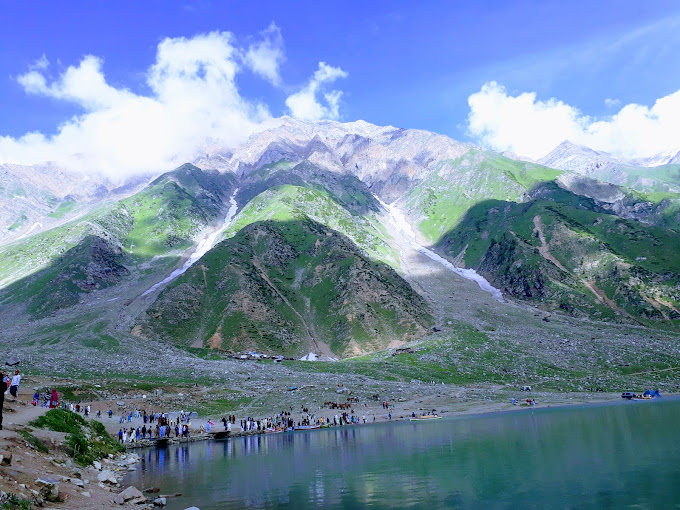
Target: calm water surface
<point x="624" y="455"/>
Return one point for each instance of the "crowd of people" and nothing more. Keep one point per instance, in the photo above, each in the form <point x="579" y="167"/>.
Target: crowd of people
<point x="160" y="425"/>
<point x="164" y="427"/>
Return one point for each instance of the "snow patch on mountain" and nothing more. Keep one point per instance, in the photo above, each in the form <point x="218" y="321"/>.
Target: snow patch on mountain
<point x="204" y="245"/>
<point x="399" y="221"/>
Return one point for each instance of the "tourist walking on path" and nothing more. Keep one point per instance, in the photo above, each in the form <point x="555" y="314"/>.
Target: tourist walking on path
<point x="3" y="389"/>
<point x="14" y="386"/>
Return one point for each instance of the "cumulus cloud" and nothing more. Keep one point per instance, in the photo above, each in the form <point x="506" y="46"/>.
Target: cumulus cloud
<point x="532" y="128"/>
<point x="266" y="56"/>
<point x="193" y="97"/>
<point x="307" y="103"/>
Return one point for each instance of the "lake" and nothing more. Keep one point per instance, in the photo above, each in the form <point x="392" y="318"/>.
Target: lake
<point x="621" y="455"/>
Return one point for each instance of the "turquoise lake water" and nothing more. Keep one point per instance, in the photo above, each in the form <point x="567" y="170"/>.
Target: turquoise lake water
<point x="623" y="455"/>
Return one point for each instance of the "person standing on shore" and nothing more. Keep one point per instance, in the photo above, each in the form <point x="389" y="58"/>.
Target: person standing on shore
<point x="3" y="389"/>
<point x="14" y="386"/>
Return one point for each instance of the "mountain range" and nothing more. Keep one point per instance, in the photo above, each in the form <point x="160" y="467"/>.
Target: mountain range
<point x="312" y="261"/>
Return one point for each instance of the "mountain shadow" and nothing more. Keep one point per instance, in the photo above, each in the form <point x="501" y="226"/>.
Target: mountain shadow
<point x="346" y="189"/>
<point x="562" y="251"/>
<point x="94" y="263"/>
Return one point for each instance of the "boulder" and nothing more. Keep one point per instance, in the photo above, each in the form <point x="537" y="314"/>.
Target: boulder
<point x="132" y="458"/>
<point x="129" y="495"/>
<point x="5" y="457"/>
<point x="160" y="502"/>
<point x="49" y="488"/>
<point x="107" y="476"/>
<point x="77" y="482"/>
<point x="44" y="481"/>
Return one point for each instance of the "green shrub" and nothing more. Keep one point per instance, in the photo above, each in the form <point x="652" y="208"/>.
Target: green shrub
<point x="98" y="428"/>
<point x="15" y="502"/>
<point x="31" y="439"/>
<point x="60" y="420"/>
<point x="104" y="444"/>
<point x="83" y="450"/>
<point x="80" y="449"/>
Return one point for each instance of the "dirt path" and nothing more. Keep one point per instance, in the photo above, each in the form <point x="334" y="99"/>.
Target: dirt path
<point x="544" y="249"/>
<point x="28" y="464"/>
<point x="599" y="293"/>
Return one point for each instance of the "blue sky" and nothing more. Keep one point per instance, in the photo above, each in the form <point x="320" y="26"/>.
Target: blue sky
<point x="409" y="64"/>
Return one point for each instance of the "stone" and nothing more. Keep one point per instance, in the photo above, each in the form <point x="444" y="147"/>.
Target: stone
<point x="132" y="458"/>
<point x="49" y="488"/>
<point x="77" y="482"/>
<point x="86" y="494"/>
<point x="192" y="508"/>
<point x="6" y="457"/>
<point x="45" y="481"/>
<point x="97" y="465"/>
<point x="107" y="476"/>
<point x="160" y="502"/>
<point x="153" y="490"/>
<point x="131" y="493"/>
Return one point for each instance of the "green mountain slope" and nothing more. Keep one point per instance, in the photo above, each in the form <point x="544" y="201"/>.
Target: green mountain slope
<point x="345" y="188"/>
<point x="562" y="250"/>
<point x="437" y="203"/>
<point x="93" y="264"/>
<point x="150" y="229"/>
<point x="287" y="287"/>
<point x="287" y="203"/>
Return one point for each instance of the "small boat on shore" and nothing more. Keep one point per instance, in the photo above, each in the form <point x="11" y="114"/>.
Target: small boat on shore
<point x="425" y="417"/>
<point x="308" y="427"/>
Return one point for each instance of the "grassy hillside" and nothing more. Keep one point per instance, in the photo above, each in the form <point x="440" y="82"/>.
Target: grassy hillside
<point x="94" y="263"/>
<point x="159" y="220"/>
<point x="287" y="287"/>
<point x="346" y="189"/>
<point x="149" y="229"/>
<point x="287" y="203"/>
<point x="563" y="251"/>
<point x="438" y="203"/>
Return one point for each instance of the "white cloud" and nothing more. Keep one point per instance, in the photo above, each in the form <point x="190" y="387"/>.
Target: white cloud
<point x="305" y="104"/>
<point x="41" y="63"/>
<point x="266" y="56"/>
<point x="612" y="103"/>
<point x="532" y="128"/>
<point x="193" y="96"/>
